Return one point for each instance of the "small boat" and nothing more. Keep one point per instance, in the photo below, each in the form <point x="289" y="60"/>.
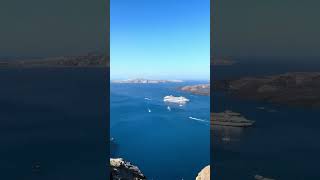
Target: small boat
<point x="36" y="167"/>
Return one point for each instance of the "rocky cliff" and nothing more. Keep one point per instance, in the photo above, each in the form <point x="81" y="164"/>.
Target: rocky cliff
<point x="124" y="170"/>
<point x="200" y="89"/>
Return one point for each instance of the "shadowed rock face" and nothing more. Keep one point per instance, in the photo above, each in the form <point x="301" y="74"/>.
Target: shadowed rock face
<point x="204" y="174"/>
<point x="297" y="89"/>
<point x="200" y="89"/>
<point x="123" y="170"/>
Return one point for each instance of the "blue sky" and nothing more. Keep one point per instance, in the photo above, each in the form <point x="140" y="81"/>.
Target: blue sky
<point x="160" y="39"/>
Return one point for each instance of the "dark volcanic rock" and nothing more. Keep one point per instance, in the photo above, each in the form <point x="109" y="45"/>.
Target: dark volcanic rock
<point x="201" y="89"/>
<point x="298" y="88"/>
<point x="123" y="170"/>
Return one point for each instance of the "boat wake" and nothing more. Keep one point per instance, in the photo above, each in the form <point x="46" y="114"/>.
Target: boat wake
<point x="197" y="119"/>
<point x="266" y="109"/>
<point x="147" y="99"/>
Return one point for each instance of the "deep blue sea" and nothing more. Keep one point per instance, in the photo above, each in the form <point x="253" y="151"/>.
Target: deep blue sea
<point x="56" y="118"/>
<point x="283" y="143"/>
<point x="165" y="143"/>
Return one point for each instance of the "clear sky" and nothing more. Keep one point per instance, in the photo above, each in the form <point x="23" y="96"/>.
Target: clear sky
<point x="160" y="39"/>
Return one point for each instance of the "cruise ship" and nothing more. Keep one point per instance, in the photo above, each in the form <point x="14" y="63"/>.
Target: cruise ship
<point x="229" y="118"/>
<point x="174" y="99"/>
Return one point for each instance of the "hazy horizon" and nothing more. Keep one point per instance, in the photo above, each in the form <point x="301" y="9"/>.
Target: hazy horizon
<point x="163" y="78"/>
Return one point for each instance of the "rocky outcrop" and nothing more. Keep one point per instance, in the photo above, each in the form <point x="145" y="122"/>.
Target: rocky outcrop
<point x="200" y="89"/>
<point x="204" y="174"/>
<point x="123" y="170"/>
<point x="297" y="89"/>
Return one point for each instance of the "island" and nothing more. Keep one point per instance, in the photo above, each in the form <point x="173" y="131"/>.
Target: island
<point x="145" y="81"/>
<point x="200" y="89"/>
<point x="293" y="89"/>
<point x="121" y="169"/>
<point x="173" y="99"/>
<point x="230" y="118"/>
<point x="92" y="59"/>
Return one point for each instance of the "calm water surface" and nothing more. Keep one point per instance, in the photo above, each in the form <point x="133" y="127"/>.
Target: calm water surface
<point x="55" y="117"/>
<point x="283" y="143"/>
<point x="161" y="139"/>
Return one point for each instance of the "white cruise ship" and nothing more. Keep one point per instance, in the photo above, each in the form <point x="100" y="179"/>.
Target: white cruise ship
<point x="173" y="99"/>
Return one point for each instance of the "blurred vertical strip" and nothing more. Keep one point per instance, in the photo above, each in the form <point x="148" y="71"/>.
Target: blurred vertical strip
<point x="211" y="84"/>
<point x="108" y="87"/>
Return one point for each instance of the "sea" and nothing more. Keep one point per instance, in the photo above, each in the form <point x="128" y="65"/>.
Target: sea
<point x="166" y="141"/>
<point x="284" y="141"/>
<point x="53" y="124"/>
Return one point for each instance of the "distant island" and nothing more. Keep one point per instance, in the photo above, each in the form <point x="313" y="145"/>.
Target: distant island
<point x="200" y="89"/>
<point x="87" y="60"/>
<point x="294" y="89"/>
<point x="145" y="81"/>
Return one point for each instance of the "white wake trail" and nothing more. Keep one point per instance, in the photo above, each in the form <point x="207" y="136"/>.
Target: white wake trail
<point x="197" y="119"/>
